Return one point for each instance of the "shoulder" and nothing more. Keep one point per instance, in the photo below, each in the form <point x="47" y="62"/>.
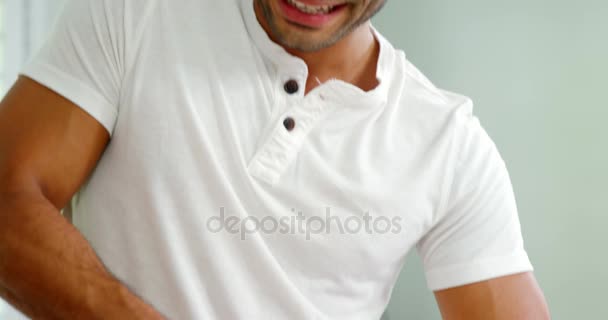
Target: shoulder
<point x="419" y="103"/>
<point x="117" y="17"/>
<point x="412" y="92"/>
<point x="429" y="97"/>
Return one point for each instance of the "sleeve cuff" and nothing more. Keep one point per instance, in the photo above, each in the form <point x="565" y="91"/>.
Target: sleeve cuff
<point x="485" y="269"/>
<point x="74" y="90"/>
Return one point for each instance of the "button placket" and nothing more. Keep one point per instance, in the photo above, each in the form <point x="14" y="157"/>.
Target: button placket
<point x="282" y="146"/>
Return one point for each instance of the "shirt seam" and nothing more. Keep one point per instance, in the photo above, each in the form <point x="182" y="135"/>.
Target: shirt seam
<point x="516" y="254"/>
<point x="447" y="184"/>
<point x="138" y="35"/>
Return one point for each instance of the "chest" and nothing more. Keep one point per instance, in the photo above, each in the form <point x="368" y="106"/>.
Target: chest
<point x="210" y="126"/>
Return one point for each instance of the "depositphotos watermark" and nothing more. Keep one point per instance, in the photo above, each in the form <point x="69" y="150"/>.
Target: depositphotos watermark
<point x="301" y="224"/>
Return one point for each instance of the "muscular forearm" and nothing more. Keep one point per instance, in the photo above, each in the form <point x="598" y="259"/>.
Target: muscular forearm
<point x="49" y="271"/>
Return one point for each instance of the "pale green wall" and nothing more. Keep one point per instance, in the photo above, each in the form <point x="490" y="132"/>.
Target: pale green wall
<point x="538" y="73"/>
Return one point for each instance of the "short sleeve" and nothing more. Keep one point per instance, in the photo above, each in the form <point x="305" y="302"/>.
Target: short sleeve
<point x="83" y="59"/>
<point x="477" y="234"/>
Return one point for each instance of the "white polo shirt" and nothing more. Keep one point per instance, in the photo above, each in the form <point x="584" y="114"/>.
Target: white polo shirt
<point x="226" y="193"/>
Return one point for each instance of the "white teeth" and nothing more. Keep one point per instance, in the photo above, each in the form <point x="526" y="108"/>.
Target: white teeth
<point x="322" y="9"/>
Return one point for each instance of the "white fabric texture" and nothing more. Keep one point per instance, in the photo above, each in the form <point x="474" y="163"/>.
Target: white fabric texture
<point x="192" y="92"/>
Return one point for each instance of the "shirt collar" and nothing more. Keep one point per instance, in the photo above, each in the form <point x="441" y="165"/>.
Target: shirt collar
<point x="337" y="90"/>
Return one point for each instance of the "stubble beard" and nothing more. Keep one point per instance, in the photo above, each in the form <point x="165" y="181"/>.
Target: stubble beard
<point x="297" y="44"/>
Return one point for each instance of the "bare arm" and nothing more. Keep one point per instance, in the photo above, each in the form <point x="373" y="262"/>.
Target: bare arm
<point x="48" y="147"/>
<point x="504" y="298"/>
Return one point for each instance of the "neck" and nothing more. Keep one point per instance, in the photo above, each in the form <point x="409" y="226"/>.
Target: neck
<point x="353" y="59"/>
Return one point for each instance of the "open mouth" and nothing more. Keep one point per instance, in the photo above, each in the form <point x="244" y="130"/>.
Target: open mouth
<point x="313" y="9"/>
<point x="309" y="14"/>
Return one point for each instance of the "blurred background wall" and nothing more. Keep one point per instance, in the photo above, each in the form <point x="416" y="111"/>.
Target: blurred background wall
<point x="537" y="71"/>
<point x="23" y="26"/>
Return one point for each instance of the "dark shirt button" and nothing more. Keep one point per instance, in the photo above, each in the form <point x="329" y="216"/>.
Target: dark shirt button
<point x="289" y="123"/>
<point x="291" y="86"/>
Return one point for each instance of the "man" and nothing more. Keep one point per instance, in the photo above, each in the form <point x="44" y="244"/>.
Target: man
<point x="239" y="159"/>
